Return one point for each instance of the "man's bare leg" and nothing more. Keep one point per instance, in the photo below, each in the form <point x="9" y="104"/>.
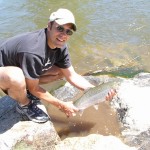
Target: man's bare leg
<point x="12" y="80"/>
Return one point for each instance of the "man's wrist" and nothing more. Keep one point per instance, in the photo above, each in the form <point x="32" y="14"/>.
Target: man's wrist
<point x="85" y="90"/>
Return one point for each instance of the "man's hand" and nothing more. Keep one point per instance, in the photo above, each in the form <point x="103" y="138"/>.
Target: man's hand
<point x="68" y="108"/>
<point x="111" y="94"/>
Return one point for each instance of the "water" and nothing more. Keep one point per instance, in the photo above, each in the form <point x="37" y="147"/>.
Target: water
<point x="102" y="121"/>
<point x="110" y="34"/>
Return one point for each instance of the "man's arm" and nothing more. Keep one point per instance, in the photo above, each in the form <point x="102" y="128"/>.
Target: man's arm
<point x="81" y="83"/>
<point x="75" y="79"/>
<point x="67" y="107"/>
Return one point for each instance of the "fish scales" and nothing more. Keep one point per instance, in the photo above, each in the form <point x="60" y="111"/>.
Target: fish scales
<point x="95" y="95"/>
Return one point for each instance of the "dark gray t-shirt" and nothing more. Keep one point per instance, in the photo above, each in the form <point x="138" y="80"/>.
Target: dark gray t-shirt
<point x="31" y="53"/>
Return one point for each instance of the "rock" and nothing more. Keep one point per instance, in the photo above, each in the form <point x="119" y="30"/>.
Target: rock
<point x="133" y="109"/>
<point x="93" y="142"/>
<point x="29" y="135"/>
<point x="17" y="134"/>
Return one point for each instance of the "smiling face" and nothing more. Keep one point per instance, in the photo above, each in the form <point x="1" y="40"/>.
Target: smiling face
<point x="58" y="35"/>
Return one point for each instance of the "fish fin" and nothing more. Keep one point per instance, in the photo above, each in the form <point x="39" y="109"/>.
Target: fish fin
<point x="95" y="106"/>
<point x="81" y="112"/>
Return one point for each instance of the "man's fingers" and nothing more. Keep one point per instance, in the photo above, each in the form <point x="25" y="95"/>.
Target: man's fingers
<point x="69" y="109"/>
<point x="111" y="94"/>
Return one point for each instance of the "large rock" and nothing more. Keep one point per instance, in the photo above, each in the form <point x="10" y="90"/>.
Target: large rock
<point x="18" y="134"/>
<point x="133" y="109"/>
<point x="93" y="142"/>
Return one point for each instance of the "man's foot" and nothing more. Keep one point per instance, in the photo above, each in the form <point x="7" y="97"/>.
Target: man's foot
<point x="32" y="112"/>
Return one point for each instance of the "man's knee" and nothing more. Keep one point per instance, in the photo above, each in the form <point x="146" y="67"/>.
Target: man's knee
<point x="16" y="76"/>
<point x="12" y="76"/>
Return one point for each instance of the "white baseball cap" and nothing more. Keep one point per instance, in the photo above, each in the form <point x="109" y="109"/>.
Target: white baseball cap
<point x="63" y="16"/>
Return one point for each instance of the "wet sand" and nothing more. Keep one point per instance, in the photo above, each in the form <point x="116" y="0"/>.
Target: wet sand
<point x="102" y="121"/>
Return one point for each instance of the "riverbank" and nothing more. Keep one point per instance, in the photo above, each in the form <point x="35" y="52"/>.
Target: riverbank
<point x="131" y="105"/>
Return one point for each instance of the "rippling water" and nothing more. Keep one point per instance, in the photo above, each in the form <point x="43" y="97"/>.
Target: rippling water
<point x="110" y="33"/>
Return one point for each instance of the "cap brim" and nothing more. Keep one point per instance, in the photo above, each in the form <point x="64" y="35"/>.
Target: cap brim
<point x="62" y="22"/>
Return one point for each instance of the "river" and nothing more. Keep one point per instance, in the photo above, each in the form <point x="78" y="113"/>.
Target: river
<point x="110" y="33"/>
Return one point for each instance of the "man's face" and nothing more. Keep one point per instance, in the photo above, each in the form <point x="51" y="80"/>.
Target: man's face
<point x="58" y="35"/>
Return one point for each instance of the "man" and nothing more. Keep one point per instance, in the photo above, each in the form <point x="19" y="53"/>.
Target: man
<point x="39" y="57"/>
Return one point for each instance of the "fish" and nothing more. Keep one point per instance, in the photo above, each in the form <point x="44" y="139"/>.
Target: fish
<point x="96" y="95"/>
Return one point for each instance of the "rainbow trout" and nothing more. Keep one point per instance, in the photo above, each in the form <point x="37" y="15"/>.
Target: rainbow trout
<point x="95" y="95"/>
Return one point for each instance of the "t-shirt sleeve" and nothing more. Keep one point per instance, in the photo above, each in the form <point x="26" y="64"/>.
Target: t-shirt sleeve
<point x="64" y="60"/>
<point x="31" y="65"/>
